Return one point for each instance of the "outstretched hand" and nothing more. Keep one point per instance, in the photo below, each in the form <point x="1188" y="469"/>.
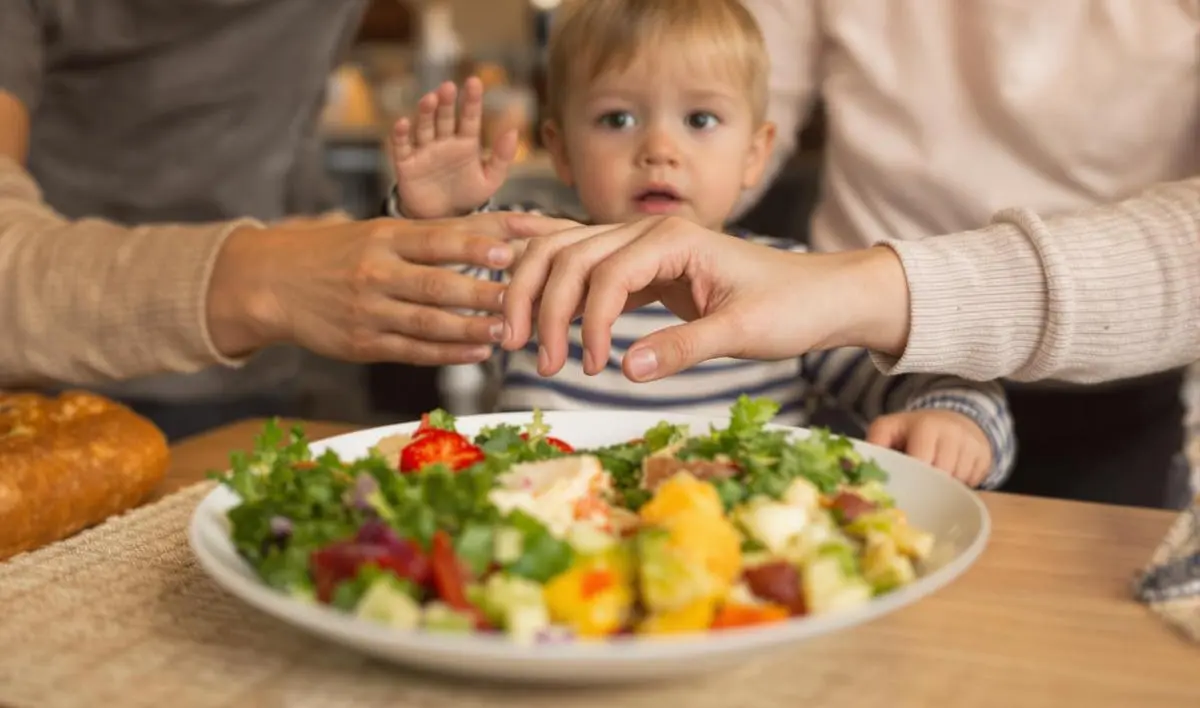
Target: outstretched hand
<point x="739" y="299"/>
<point x="441" y="169"/>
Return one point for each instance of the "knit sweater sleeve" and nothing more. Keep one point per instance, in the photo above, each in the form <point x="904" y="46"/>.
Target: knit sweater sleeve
<point x="86" y="301"/>
<point x="1106" y="293"/>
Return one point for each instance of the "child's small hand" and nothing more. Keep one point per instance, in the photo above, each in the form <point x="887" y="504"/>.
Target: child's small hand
<point x="950" y="441"/>
<point x="440" y="167"/>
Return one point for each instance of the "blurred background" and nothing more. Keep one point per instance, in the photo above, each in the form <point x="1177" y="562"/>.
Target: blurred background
<point x="407" y="47"/>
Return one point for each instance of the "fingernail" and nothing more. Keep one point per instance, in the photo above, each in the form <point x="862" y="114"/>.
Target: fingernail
<point x="588" y="361"/>
<point x="498" y="331"/>
<point x="480" y="354"/>
<point x="508" y="333"/>
<point x="643" y="363"/>
<point x="499" y="256"/>
<point x="543" y="359"/>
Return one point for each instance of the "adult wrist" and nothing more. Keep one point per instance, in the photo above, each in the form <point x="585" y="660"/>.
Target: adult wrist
<point x="242" y="314"/>
<point x="878" y="308"/>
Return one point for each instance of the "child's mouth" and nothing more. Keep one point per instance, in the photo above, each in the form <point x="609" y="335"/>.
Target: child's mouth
<point x="658" y="201"/>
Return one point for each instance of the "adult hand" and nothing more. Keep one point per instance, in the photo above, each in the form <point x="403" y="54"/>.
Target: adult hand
<point x="739" y="299"/>
<point x="362" y="291"/>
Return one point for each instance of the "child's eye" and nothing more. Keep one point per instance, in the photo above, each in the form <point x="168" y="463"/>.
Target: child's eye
<point x="617" y="120"/>
<point x="702" y="120"/>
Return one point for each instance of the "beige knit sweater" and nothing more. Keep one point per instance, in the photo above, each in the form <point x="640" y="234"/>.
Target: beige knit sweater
<point x="88" y="301"/>
<point x="1111" y="292"/>
<point x="1106" y="293"/>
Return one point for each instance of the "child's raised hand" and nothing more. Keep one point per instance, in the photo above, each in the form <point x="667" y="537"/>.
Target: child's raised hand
<point x="950" y="441"/>
<point x="440" y="167"/>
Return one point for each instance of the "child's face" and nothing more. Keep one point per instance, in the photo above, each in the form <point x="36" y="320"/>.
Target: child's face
<point x="661" y="137"/>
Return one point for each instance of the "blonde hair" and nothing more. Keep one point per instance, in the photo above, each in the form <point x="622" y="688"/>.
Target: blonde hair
<point x="592" y="37"/>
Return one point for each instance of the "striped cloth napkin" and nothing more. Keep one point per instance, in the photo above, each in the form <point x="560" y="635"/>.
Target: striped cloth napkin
<point x="1170" y="584"/>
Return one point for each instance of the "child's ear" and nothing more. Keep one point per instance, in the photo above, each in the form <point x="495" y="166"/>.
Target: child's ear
<point x="552" y="137"/>
<point x="759" y="154"/>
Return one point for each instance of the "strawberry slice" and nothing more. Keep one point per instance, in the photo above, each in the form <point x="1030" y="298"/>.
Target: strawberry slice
<point x="436" y="446"/>
<point x="424" y="427"/>
<point x="554" y="442"/>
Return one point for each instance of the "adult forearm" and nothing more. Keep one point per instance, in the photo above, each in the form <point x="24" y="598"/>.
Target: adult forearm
<point x="1108" y="293"/>
<point x="88" y="300"/>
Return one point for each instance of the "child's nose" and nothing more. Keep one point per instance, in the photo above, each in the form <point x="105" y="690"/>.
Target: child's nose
<point x="659" y="149"/>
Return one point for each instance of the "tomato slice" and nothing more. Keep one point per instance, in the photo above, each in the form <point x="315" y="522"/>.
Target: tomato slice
<point x="449" y="580"/>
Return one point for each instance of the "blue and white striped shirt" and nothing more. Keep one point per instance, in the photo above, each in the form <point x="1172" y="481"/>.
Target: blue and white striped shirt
<point x="847" y="377"/>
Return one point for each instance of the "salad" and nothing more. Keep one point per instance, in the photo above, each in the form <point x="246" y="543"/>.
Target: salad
<point x="514" y="531"/>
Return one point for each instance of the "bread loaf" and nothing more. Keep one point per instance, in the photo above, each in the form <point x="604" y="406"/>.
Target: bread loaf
<point x="70" y="462"/>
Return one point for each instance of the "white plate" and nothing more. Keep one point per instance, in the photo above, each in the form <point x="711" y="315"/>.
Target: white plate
<point x="932" y="500"/>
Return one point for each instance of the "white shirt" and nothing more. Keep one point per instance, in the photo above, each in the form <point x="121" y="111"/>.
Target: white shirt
<point x="942" y="112"/>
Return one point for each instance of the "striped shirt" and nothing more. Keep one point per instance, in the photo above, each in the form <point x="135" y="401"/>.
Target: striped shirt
<point x="847" y="377"/>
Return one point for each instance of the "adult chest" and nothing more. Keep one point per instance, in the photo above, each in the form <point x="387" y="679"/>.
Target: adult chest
<point x="1079" y="100"/>
<point x="172" y="98"/>
<point x="165" y="55"/>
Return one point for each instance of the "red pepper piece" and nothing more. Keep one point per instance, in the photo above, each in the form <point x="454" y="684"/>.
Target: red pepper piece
<point x="449" y="580"/>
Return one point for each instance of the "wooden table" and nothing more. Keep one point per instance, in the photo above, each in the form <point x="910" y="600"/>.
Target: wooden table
<point x="1044" y="618"/>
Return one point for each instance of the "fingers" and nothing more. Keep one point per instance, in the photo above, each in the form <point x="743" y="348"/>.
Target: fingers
<point x="470" y="123"/>
<point x="536" y="225"/>
<point x="440" y="287"/>
<point x="976" y="462"/>
<point x="933" y="442"/>
<point x="429" y="324"/>
<point x="529" y="279"/>
<point x="503" y="153"/>
<point x="426" y="130"/>
<point x="444" y="115"/>
<point x="676" y="348"/>
<point x="402" y="137"/>
<point x="973" y="469"/>
<point x="947" y="456"/>
<point x="436" y="118"/>
<point x="562" y="299"/>
<point x="922" y="443"/>
<point x="503" y="226"/>
<point x="650" y="251"/>
<point x="888" y="431"/>
<point x="459" y="241"/>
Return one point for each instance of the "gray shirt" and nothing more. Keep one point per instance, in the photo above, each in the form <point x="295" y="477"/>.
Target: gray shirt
<point x="181" y="110"/>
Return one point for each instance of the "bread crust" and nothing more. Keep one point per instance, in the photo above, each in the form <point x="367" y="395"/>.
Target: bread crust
<point x="69" y="462"/>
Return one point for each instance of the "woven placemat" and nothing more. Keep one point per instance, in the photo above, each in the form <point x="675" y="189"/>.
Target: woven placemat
<point x="122" y="615"/>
